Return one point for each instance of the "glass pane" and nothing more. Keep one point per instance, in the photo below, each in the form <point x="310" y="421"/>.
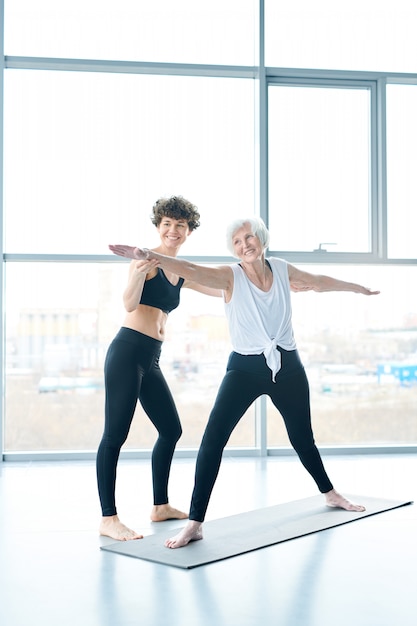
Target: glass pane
<point x="401" y="170"/>
<point x="360" y="355"/>
<point x="184" y="31"/>
<point x="319" y="169"/>
<point x="355" y="35"/>
<point x="60" y="320"/>
<point x="94" y="152"/>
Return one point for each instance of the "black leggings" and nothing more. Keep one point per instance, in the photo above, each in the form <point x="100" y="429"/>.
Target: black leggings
<point x="132" y="372"/>
<point x="247" y="378"/>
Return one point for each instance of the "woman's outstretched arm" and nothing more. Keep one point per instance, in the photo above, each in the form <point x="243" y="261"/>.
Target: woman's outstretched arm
<point x="215" y="277"/>
<point x="304" y="281"/>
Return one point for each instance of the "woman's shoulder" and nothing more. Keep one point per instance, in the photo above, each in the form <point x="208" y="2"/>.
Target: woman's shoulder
<point x="280" y="265"/>
<point x="276" y="260"/>
<point x="280" y="268"/>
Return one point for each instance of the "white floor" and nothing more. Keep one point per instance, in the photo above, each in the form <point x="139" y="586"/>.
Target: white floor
<point x="52" y="571"/>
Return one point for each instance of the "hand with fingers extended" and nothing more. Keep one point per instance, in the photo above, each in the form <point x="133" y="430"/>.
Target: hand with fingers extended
<point x="130" y="252"/>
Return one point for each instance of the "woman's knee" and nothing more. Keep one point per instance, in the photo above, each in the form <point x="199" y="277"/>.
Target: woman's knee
<point x="214" y="439"/>
<point x="171" y="434"/>
<point x="178" y="433"/>
<point x="113" y="441"/>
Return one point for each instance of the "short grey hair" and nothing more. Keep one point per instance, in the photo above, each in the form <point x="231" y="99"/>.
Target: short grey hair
<point x="258" y="228"/>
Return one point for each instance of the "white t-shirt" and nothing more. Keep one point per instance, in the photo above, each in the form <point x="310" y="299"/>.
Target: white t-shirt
<point x="259" y="320"/>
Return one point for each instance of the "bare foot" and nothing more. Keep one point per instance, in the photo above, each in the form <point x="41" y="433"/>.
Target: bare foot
<point x="192" y="532"/>
<point x="112" y="527"/>
<point x="333" y="498"/>
<point x="163" y="512"/>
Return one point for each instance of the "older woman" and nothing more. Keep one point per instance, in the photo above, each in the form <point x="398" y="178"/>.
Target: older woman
<point x="264" y="360"/>
<point x="132" y="367"/>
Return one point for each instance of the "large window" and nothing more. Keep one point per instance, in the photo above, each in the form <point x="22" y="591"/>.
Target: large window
<point x="183" y="31"/>
<point x="319" y="168"/>
<point x="360" y="355"/>
<point x="60" y="320"/>
<point x="401" y="170"/>
<point x="355" y="35"/>
<point x="96" y="150"/>
<point x="301" y="113"/>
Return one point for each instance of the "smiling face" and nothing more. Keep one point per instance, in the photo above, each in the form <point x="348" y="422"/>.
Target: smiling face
<point x="173" y="232"/>
<point x="246" y="245"/>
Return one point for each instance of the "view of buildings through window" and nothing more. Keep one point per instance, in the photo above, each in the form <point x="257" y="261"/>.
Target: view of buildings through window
<point x="360" y="356"/>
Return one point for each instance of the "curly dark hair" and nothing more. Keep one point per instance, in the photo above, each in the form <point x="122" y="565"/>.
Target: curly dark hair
<point x="178" y="208"/>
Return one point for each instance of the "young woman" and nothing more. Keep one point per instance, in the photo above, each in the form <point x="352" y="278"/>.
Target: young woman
<point x="132" y="369"/>
<point x="264" y="360"/>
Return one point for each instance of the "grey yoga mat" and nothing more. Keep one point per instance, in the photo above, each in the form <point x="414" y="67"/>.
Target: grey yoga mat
<point x="237" y="534"/>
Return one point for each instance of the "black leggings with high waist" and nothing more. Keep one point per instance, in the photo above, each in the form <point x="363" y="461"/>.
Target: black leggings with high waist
<point x="132" y="372"/>
<point x="247" y="378"/>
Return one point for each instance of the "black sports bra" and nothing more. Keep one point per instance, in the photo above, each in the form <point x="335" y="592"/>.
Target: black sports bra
<point x="160" y="293"/>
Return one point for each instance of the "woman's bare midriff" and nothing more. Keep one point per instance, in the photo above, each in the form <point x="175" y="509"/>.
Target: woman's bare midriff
<point x="147" y="320"/>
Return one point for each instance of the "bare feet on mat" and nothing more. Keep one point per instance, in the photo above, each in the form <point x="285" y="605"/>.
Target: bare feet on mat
<point x="163" y="512"/>
<point x="112" y="527"/>
<point x="192" y="532"/>
<point x="335" y="499"/>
